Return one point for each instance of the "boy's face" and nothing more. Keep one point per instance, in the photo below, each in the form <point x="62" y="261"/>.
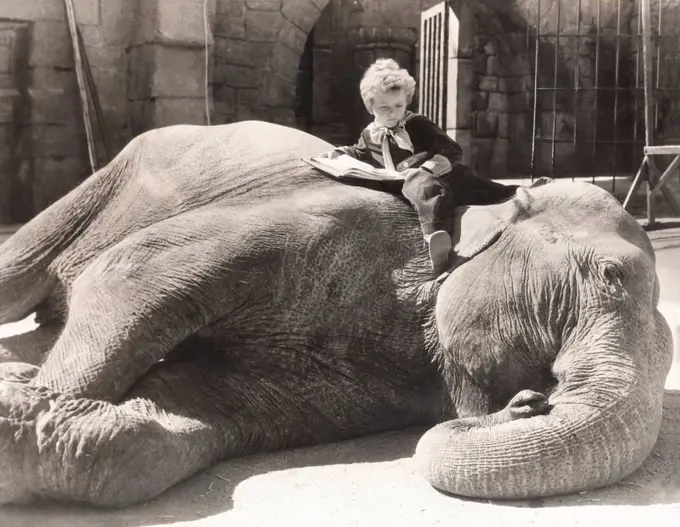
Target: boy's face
<point x="389" y="107"/>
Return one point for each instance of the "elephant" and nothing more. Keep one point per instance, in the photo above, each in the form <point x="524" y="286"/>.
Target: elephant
<point x="208" y="295"/>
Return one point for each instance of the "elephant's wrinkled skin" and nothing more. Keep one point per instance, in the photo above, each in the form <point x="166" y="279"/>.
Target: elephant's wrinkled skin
<point x="292" y="309"/>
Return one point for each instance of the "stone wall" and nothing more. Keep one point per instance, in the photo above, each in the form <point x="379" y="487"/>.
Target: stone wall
<point x="42" y="135"/>
<point x="258" y="44"/>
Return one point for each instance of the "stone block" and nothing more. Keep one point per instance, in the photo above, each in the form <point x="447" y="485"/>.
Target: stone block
<point x="108" y="57"/>
<point x="464" y="102"/>
<point x="54" y="177"/>
<point x="482" y="151"/>
<point x="87" y="11"/>
<point x="111" y="87"/>
<point x="292" y="36"/>
<point x="278" y="92"/>
<point x="55" y="140"/>
<point x="283" y="116"/>
<point x="118" y="22"/>
<point x="56" y="80"/>
<point x="8" y="103"/>
<point x="263" y="26"/>
<point x="518" y="102"/>
<point x="242" y="52"/>
<point x="264" y="5"/>
<point x="52" y="107"/>
<point x="166" y="111"/>
<point x="480" y="100"/>
<point x="514" y="84"/>
<point x="498" y="102"/>
<point x="302" y="13"/>
<point x="503" y="125"/>
<point x="51" y="44"/>
<point x="487" y="83"/>
<point x="486" y="124"/>
<point x="480" y="63"/>
<point x="231" y="27"/>
<point x="247" y="96"/>
<point x="5" y="59"/>
<point x="285" y="62"/>
<point x="162" y="71"/>
<point x="224" y="95"/>
<point x="499" y="158"/>
<point x="172" y="22"/>
<point x="236" y="76"/>
<point x="230" y="7"/>
<point x="493" y="66"/>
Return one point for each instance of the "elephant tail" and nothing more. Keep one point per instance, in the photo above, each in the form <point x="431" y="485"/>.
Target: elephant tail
<point x="25" y="257"/>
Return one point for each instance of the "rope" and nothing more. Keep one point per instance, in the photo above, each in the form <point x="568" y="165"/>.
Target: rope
<point x="207" y="62"/>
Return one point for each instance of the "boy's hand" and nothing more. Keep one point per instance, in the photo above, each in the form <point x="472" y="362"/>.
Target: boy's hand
<point x="332" y="154"/>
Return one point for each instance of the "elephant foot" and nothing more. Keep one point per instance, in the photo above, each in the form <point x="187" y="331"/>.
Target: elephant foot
<point x="525" y="404"/>
<point x="21" y="409"/>
<point x="541" y="181"/>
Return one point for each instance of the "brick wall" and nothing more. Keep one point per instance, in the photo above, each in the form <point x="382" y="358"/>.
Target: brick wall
<point x="258" y="44"/>
<point x="40" y="118"/>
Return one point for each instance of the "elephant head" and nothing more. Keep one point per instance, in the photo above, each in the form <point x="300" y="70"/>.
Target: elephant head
<point x="573" y="315"/>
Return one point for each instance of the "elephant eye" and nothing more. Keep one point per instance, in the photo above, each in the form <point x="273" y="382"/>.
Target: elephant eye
<point x="611" y="273"/>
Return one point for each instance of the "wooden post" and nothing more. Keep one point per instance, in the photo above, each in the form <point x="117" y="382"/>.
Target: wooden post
<point x="82" y="88"/>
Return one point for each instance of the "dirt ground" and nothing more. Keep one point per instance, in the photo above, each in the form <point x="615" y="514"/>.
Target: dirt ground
<point x="372" y="481"/>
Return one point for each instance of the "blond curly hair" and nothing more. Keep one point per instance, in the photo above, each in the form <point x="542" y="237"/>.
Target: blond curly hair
<point x="385" y="75"/>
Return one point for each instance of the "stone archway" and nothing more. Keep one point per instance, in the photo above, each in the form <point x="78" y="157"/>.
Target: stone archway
<point x="258" y="44"/>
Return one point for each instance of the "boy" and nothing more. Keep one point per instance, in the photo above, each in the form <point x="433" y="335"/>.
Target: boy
<point x="441" y="183"/>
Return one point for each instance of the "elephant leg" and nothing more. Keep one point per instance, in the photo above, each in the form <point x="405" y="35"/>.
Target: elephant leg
<point x="181" y="417"/>
<point x="30" y="347"/>
<point x="144" y="296"/>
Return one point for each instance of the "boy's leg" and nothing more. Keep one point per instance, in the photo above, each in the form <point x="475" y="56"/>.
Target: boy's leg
<point x="471" y="189"/>
<point x="433" y="200"/>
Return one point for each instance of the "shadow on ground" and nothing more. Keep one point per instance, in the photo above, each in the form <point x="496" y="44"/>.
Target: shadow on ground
<point x="355" y="466"/>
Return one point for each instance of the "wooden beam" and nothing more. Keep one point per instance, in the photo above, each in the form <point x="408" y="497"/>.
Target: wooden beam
<point x="636" y="183"/>
<point x="662" y="150"/>
<point x="670" y="169"/>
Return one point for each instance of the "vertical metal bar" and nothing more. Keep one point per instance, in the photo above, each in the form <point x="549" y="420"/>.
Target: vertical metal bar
<point x="433" y="69"/>
<point x="421" y="67"/>
<point x="658" y="64"/>
<point x="576" y="70"/>
<point x="617" y="68"/>
<point x="556" y="57"/>
<point x="430" y="55"/>
<point x="436" y="56"/>
<point x="597" y="81"/>
<point x="440" y="66"/>
<point x="537" y="43"/>
<point x="648" y="71"/>
<point x="636" y="90"/>
<point x="446" y="58"/>
<point x="527" y="79"/>
<point x="649" y="95"/>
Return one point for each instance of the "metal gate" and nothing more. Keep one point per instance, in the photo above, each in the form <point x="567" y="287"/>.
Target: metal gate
<point x="588" y="93"/>
<point x="434" y="54"/>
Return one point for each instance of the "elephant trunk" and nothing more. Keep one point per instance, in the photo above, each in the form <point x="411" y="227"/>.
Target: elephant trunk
<point x="603" y="422"/>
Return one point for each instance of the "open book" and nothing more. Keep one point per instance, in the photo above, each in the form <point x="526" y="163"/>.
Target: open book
<point x="342" y="166"/>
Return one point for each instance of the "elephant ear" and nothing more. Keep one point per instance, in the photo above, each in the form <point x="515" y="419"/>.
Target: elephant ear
<point x="477" y="227"/>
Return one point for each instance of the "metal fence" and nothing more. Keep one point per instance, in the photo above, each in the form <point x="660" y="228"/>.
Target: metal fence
<point x="583" y="83"/>
<point x="434" y="40"/>
<point x="589" y="75"/>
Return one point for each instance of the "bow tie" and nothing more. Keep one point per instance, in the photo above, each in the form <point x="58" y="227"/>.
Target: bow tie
<point x="398" y="133"/>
